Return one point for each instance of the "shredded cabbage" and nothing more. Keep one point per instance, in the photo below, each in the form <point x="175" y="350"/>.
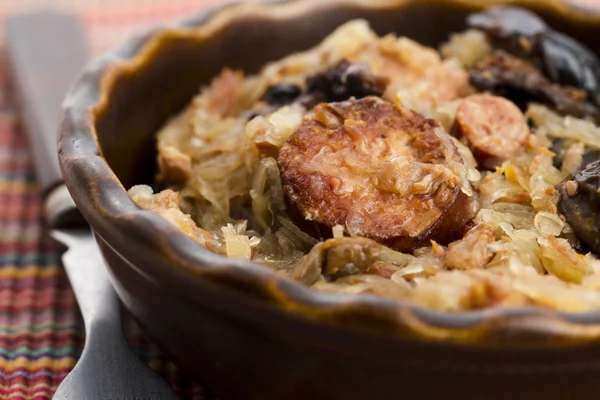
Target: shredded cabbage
<point x="218" y="162"/>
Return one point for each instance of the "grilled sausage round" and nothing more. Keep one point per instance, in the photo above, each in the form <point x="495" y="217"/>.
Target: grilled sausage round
<point x="380" y="170"/>
<point x="493" y="127"/>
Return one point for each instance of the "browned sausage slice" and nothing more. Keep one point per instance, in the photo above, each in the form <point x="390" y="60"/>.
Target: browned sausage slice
<point x="493" y="127"/>
<point x="382" y="171"/>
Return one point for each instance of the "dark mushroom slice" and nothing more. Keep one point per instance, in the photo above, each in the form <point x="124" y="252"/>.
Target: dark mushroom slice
<point x="379" y="170"/>
<point x="580" y="204"/>
<point x="308" y="269"/>
<point x="340" y="257"/>
<point x="521" y="82"/>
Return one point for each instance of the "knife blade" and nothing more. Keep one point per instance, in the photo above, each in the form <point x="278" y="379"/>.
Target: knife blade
<point x="47" y="50"/>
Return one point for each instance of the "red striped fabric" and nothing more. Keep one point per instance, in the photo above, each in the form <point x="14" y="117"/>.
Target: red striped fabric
<point x="41" y="332"/>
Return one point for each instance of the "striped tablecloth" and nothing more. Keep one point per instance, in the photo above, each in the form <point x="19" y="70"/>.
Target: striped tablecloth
<point x="41" y="332"/>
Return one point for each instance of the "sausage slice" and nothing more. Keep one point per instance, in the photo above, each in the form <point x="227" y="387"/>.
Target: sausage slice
<point x="493" y="127"/>
<point x="382" y="171"/>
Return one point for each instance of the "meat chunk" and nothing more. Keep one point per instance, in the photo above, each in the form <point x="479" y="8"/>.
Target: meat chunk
<point x="380" y="170"/>
<point x="493" y="128"/>
<point x="419" y="78"/>
<point x="521" y="82"/>
<point x="472" y="252"/>
<point x="563" y="59"/>
<point x="221" y="97"/>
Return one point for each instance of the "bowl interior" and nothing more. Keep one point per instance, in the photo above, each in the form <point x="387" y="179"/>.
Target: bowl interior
<point x="144" y="96"/>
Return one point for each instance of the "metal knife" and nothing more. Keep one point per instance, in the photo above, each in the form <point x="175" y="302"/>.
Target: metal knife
<point x="47" y="49"/>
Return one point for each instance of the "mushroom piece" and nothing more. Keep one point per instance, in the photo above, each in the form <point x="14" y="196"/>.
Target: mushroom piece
<point x="340" y="257"/>
<point x="580" y="204"/>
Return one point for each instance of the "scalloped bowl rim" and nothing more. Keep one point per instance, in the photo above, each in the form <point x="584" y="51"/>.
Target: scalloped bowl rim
<point x="90" y="94"/>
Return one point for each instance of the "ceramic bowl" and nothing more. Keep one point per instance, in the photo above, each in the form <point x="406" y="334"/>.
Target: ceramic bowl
<point x="243" y="330"/>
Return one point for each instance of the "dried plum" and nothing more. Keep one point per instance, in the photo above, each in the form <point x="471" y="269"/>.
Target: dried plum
<point x="513" y="29"/>
<point x="568" y="62"/>
<point x="281" y="94"/>
<point x="523" y="34"/>
<point x="580" y="204"/>
<point x="520" y="81"/>
<point x="337" y="83"/>
<point x="342" y="81"/>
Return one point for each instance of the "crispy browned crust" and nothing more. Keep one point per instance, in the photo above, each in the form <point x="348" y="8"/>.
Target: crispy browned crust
<point x="333" y="170"/>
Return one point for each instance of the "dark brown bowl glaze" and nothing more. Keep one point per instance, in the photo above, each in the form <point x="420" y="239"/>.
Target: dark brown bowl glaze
<point x="242" y="329"/>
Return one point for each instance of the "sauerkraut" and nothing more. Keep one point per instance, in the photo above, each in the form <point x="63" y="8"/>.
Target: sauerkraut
<point x="218" y="163"/>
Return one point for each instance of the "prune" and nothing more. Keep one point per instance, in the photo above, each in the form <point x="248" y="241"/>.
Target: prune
<point x="521" y="33"/>
<point x="520" y="81"/>
<point x="580" y="204"/>
<point x="510" y="28"/>
<point x="281" y="94"/>
<point x="342" y="81"/>
<point x="568" y="62"/>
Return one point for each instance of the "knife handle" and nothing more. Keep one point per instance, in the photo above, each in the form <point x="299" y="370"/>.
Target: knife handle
<point x="47" y="50"/>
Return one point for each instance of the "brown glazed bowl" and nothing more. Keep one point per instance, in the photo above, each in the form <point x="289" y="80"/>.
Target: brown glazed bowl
<point x="245" y="331"/>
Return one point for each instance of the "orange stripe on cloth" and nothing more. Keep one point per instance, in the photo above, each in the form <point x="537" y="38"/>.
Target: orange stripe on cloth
<point x="41" y="332"/>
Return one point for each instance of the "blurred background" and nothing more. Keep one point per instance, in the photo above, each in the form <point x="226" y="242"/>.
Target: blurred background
<point x="108" y="21"/>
